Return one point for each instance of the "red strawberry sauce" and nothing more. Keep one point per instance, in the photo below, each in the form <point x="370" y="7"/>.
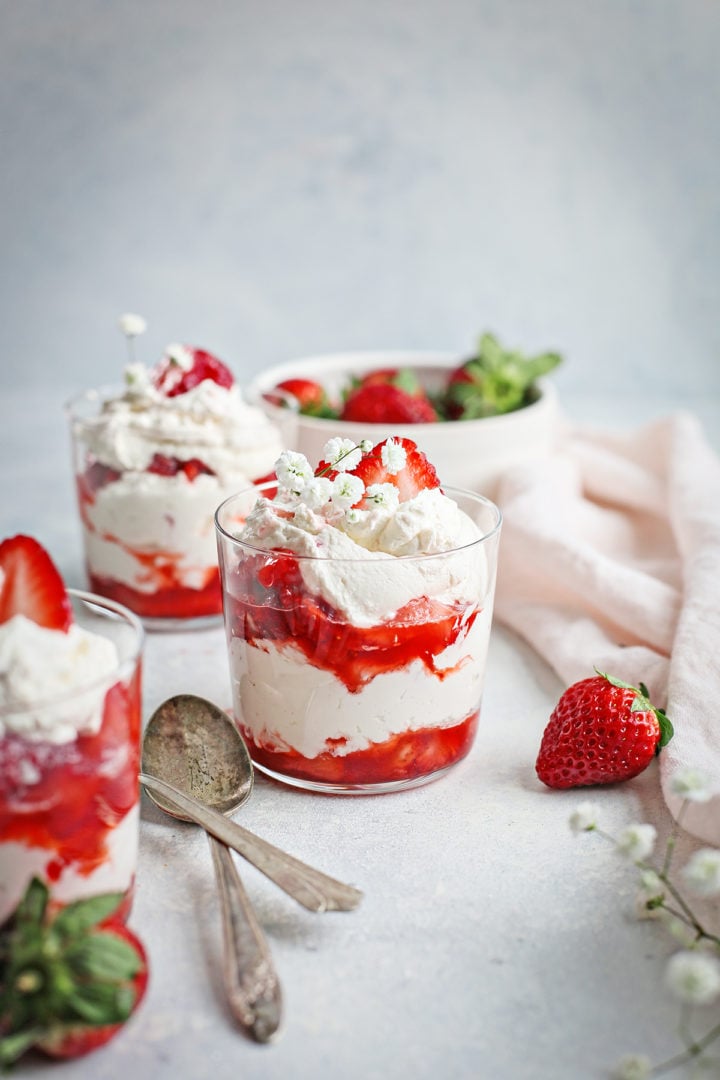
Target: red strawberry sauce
<point x="267" y="600"/>
<point x="85" y="788"/>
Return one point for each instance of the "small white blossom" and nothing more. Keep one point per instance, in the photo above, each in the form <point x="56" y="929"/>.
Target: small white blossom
<point x="693" y="977"/>
<point x="691" y="784"/>
<point x="353" y="516"/>
<point x="393" y="456"/>
<point x="702" y="872"/>
<point x="293" y="471"/>
<point x="384" y="495"/>
<point x="181" y="356"/>
<point x="366" y="445"/>
<point x="317" y="492"/>
<point x="132" y="325"/>
<point x="137" y="378"/>
<point x="636" y="842"/>
<point x="584" y="818"/>
<point x="346" y="490"/>
<point x="652" y="891"/>
<point x="342" y="454"/>
<point x="633" y="1067"/>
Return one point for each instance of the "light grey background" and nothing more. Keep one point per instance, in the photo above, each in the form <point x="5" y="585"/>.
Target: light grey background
<point x="275" y="179"/>
<point x="270" y="179"/>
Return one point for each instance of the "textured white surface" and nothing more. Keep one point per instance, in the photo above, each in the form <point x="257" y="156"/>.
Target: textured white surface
<point x="283" y="179"/>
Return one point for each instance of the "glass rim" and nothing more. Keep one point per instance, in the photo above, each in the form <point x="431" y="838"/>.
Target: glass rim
<point x="445" y="488"/>
<point x="102" y="602"/>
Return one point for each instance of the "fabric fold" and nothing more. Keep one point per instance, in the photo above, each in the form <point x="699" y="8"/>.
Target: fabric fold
<point x="610" y="558"/>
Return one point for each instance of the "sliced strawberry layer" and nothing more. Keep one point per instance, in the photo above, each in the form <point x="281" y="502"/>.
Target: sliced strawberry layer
<point x="268" y="601"/>
<point x="169" y="600"/>
<point x="171" y="379"/>
<point x="404" y="757"/>
<point x="163" y="465"/>
<point x="30" y="585"/>
<point x="67" y="799"/>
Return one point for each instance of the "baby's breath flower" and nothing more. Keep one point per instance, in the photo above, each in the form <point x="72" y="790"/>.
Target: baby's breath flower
<point x="394" y="456"/>
<point x="649" y="900"/>
<point x="353" y="516"/>
<point x="693" y="977"/>
<point x="366" y="445"/>
<point x="180" y="355"/>
<point x="132" y="325"/>
<point x="346" y="490"/>
<point x="584" y="818"/>
<point x="293" y="471"/>
<point x="691" y="784"/>
<point x="702" y="872"/>
<point x="636" y="842"/>
<point x="384" y="495"/>
<point x="633" y="1067"/>
<point x="342" y="454"/>
<point x="317" y="492"/>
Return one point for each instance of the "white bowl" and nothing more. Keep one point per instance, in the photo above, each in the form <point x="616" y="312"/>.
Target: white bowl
<point x="466" y="453"/>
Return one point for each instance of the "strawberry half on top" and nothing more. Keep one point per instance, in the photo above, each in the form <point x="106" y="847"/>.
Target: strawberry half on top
<point x="415" y="475"/>
<point x="184" y="367"/>
<point x="601" y="731"/>
<point x="30" y="585"/>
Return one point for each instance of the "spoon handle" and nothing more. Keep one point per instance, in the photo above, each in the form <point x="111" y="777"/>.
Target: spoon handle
<point x="251" y="981"/>
<point x="310" y="887"/>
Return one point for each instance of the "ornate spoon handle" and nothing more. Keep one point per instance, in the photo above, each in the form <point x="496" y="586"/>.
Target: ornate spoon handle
<point x="310" y="887"/>
<point x="251" y="981"/>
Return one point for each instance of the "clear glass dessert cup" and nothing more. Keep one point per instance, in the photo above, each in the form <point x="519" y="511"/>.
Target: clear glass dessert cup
<point x="69" y="807"/>
<point x="364" y="705"/>
<point x="148" y="530"/>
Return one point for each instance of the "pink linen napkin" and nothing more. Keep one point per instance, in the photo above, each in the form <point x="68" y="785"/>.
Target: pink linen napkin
<point x="610" y="558"/>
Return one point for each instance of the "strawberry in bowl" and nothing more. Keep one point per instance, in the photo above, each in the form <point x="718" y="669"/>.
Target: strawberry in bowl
<point x="153" y="459"/>
<point x="475" y="416"/>
<point x="358" y="603"/>
<point x="69" y="734"/>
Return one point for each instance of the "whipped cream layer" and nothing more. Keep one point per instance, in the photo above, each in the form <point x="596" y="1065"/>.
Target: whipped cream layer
<point x="286" y="703"/>
<point x="146" y="514"/>
<point x="370" y="568"/>
<point x="19" y="863"/>
<point x="37" y="665"/>
<point x="210" y="422"/>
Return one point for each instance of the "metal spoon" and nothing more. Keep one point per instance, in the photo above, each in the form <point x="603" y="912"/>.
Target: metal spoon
<point x="193" y="743"/>
<point x="179" y="749"/>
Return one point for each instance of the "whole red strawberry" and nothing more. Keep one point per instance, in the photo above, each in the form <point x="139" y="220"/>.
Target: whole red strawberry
<point x="386" y="403"/>
<point x="309" y="394"/>
<point x="602" y="730"/>
<point x="69" y="979"/>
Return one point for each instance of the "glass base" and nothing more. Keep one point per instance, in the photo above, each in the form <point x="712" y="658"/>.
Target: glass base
<point x="353" y="789"/>
<point x="174" y="626"/>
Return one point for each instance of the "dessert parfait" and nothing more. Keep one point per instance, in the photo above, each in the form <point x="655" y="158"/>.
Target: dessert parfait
<point x="358" y="600"/>
<point x="153" y="460"/>
<point x="69" y="734"/>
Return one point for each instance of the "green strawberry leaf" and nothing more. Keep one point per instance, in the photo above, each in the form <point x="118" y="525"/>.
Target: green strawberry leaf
<point x="642" y="703"/>
<point x="407" y="380"/>
<point x="102" y="1003"/>
<point x="14" y="1046"/>
<point x="77" y="918"/>
<point x="32" y="907"/>
<point x="104" y="956"/>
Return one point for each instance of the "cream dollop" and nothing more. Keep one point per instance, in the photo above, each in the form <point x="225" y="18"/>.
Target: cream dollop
<point x="210" y="422"/>
<point x="370" y="567"/>
<point x="39" y="665"/>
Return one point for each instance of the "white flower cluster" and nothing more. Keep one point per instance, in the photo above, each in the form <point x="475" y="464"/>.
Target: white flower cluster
<point x="692" y="975"/>
<point x="298" y="480"/>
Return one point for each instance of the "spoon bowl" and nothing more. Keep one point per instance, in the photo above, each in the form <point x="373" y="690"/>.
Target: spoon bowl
<point x="192" y="744"/>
